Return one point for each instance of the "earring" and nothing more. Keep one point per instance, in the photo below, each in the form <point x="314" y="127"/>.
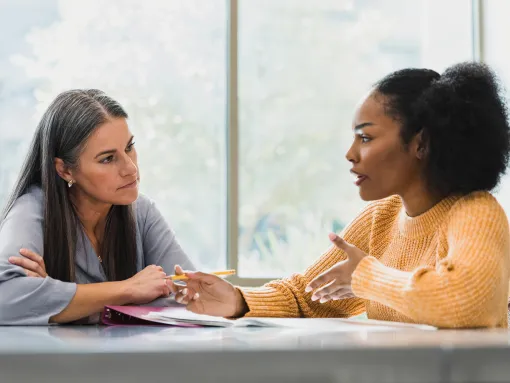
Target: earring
<point x="70" y="183"/>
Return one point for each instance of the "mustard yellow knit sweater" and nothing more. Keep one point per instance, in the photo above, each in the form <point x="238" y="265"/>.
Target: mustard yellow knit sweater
<point x="448" y="267"/>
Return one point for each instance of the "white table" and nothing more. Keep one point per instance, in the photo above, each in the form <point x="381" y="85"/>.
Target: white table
<point x="162" y="354"/>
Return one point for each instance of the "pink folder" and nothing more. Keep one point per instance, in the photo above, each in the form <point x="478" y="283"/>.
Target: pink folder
<point x="133" y="315"/>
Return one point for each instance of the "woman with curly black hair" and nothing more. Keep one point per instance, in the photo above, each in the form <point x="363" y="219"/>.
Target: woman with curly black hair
<point x="434" y="246"/>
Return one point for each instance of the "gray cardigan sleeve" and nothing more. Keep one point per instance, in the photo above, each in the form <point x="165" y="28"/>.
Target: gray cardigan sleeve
<point x="27" y="300"/>
<point x="160" y="247"/>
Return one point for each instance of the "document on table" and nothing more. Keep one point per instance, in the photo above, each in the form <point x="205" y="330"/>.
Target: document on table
<point x="181" y="316"/>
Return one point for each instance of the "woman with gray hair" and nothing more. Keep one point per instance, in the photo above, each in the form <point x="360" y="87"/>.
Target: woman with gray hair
<point x="75" y="234"/>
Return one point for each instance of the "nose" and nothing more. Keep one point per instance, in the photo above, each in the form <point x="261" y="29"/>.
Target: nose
<point x="129" y="167"/>
<point x="352" y="154"/>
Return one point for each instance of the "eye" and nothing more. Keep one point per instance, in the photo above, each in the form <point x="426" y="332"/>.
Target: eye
<point x="130" y="147"/>
<point x="106" y="160"/>
<point x="365" y="139"/>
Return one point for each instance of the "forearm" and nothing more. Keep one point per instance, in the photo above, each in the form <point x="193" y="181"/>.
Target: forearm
<point x="448" y="297"/>
<point x="91" y="299"/>
<point x="288" y="298"/>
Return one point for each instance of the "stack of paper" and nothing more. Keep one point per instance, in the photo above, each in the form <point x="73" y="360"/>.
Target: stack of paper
<point x="175" y="317"/>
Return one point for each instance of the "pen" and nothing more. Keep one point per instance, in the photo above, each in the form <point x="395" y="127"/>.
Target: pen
<point x="184" y="277"/>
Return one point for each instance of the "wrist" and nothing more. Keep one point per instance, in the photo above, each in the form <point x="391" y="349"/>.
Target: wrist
<point x="123" y="291"/>
<point x="241" y="307"/>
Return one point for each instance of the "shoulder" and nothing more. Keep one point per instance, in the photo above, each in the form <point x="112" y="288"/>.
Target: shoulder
<point x="479" y="203"/>
<point x="480" y="208"/>
<point x="142" y="207"/>
<point x="29" y="203"/>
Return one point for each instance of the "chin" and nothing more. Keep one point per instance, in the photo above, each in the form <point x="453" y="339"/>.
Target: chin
<point x="127" y="197"/>
<point x="371" y="195"/>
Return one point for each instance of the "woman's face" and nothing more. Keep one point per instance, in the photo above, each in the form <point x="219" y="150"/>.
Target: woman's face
<point x="380" y="162"/>
<point x="107" y="169"/>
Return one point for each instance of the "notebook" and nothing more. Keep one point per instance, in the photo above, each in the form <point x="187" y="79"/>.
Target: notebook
<point x="179" y="316"/>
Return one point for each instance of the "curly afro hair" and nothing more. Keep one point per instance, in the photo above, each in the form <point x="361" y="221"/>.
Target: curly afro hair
<point x="463" y="119"/>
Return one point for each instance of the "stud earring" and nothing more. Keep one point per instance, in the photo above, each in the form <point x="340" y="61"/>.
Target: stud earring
<point x="70" y="183"/>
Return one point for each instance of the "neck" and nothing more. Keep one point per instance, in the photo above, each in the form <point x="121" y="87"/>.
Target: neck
<point x="417" y="199"/>
<point x="91" y="213"/>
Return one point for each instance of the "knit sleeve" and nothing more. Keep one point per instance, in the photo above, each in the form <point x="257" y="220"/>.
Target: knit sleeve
<point x="467" y="288"/>
<point x="287" y="297"/>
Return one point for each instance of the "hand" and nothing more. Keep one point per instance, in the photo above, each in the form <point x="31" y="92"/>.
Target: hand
<point x="215" y="296"/>
<point x="31" y="262"/>
<point x="183" y="294"/>
<point x="147" y="285"/>
<point x="337" y="280"/>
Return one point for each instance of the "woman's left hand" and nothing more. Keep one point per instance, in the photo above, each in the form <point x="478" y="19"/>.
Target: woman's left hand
<point x="337" y="280"/>
<point x="31" y="262"/>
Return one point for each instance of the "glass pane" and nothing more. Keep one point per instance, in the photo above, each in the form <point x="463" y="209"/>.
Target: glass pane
<point x="164" y="61"/>
<point x="496" y="36"/>
<point x="303" y="65"/>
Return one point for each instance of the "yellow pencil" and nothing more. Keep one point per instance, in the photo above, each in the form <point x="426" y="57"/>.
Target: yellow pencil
<point x="184" y="277"/>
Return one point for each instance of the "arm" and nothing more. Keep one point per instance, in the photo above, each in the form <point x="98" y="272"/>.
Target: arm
<point x="468" y="288"/>
<point x="160" y="247"/>
<point x="26" y="300"/>
<point x="90" y="299"/>
<point x="38" y="301"/>
<point x="287" y="297"/>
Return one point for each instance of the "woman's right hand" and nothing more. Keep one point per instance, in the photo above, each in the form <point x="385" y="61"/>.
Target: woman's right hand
<point x="214" y="296"/>
<point x="147" y="285"/>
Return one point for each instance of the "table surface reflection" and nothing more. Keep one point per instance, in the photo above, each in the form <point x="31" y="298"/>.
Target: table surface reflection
<point x="129" y="353"/>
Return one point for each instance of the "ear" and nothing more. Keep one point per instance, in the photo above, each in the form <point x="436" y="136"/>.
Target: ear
<point x="63" y="170"/>
<point x="419" y="145"/>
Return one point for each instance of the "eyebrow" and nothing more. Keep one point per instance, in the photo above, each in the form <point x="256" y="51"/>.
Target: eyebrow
<point x="112" y="151"/>
<point x="363" y="125"/>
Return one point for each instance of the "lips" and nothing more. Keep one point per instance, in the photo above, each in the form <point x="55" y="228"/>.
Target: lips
<point x="129" y="185"/>
<point x="359" y="177"/>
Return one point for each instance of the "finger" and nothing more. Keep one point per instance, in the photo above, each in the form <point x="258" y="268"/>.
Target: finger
<point x="32" y="255"/>
<point x="328" y="289"/>
<point x="318" y="281"/>
<point x="340" y="243"/>
<point x="196" y="306"/>
<point x="325" y="299"/>
<point x="202" y="277"/>
<point x="26" y="264"/>
<point x="186" y="296"/>
<point x="165" y="290"/>
<point x="342" y="294"/>
<point x="180" y="295"/>
<point x="178" y="270"/>
<point x="31" y="274"/>
<point x="174" y="288"/>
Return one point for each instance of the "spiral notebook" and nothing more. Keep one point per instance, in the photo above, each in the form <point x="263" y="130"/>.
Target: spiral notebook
<point x="179" y="316"/>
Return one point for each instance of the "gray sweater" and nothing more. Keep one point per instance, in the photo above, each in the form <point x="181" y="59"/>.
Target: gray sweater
<point x="32" y="301"/>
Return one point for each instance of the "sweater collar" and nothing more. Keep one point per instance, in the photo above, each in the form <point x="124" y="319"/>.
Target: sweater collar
<point x="426" y="223"/>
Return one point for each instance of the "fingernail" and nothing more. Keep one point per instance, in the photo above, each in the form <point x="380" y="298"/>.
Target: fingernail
<point x="333" y="236"/>
<point x="12" y="259"/>
<point x="22" y="250"/>
<point x="323" y="300"/>
<point x="314" y="298"/>
<point x="184" y="291"/>
<point x="196" y="296"/>
<point x="308" y="289"/>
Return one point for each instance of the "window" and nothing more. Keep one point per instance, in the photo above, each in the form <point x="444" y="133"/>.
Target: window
<point x="493" y="51"/>
<point x="282" y="77"/>
<point x="164" y="61"/>
<point x="303" y="65"/>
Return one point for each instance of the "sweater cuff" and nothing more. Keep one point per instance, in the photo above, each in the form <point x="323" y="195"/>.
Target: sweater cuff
<point x="268" y="302"/>
<point x="373" y="281"/>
